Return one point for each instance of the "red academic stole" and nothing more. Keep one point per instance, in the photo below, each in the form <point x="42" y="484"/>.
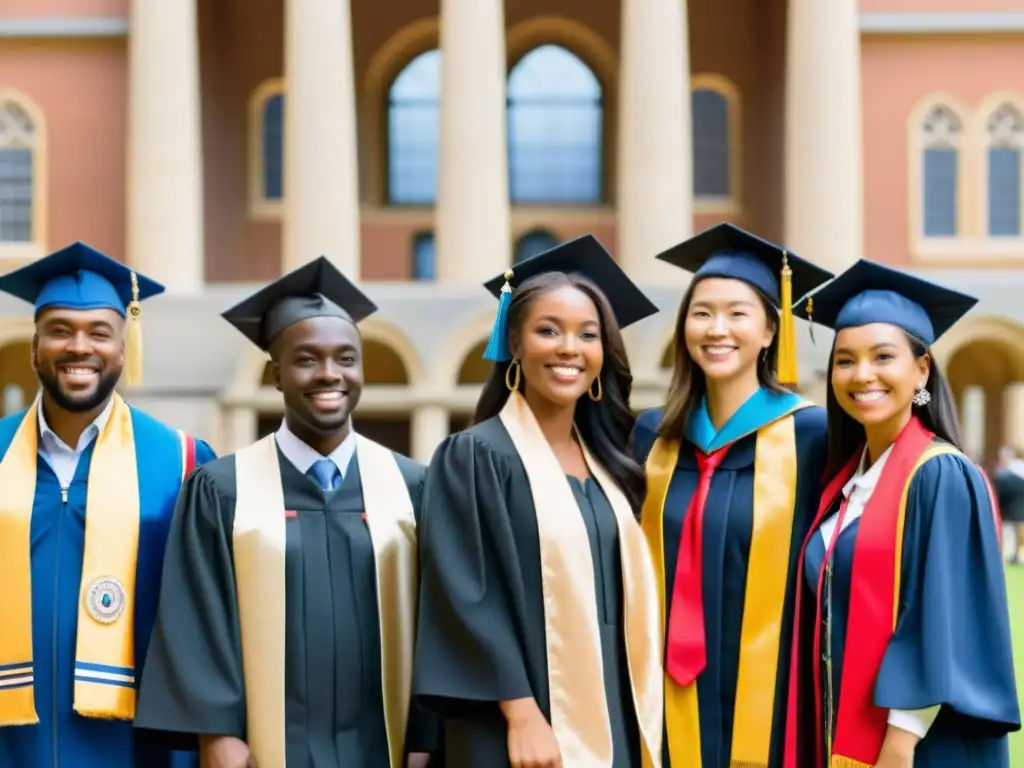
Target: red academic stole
<point x="860" y="725"/>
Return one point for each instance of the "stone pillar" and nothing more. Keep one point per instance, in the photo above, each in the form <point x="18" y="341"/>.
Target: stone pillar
<point x="823" y="146"/>
<point x="472" y="216"/>
<point x="429" y="428"/>
<point x="655" y="145"/>
<point x="972" y="420"/>
<point x="165" y="164"/>
<point x="321" y="175"/>
<point x="1013" y="415"/>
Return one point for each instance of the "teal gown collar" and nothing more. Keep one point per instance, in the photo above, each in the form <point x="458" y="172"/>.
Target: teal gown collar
<point x="761" y="408"/>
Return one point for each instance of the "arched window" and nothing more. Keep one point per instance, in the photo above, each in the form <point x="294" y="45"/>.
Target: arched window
<point x="942" y="134"/>
<point x="413" y="117"/>
<point x="534" y="242"/>
<point x="424" y="260"/>
<point x="712" y="161"/>
<point x="555" y="137"/>
<point x="1005" y="130"/>
<point x="19" y="148"/>
<point x="266" y="132"/>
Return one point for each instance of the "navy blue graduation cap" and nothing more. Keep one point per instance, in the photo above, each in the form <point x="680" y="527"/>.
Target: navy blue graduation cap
<point x="316" y="289"/>
<point x="79" y="277"/>
<point x="869" y="292"/>
<point x="726" y="250"/>
<point x="586" y="256"/>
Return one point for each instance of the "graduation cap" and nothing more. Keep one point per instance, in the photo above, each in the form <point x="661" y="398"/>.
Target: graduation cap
<point x="585" y="256"/>
<point x="79" y="277"/>
<point x="316" y="289"/>
<point x="726" y="250"/>
<point x="869" y="292"/>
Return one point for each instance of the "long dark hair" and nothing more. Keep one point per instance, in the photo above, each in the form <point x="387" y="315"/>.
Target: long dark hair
<point x="606" y="426"/>
<point x="846" y="435"/>
<point x="689" y="384"/>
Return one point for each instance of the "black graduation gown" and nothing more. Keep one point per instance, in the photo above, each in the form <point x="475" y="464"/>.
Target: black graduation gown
<point x="193" y="681"/>
<point x="481" y="633"/>
<point x="952" y="644"/>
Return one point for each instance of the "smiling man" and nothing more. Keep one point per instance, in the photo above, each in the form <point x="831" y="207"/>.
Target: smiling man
<point x="87" y="491"/>
<point x="286" y="625"/>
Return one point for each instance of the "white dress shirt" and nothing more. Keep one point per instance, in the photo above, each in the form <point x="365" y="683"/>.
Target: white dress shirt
<point x="304" y="457"/>
<point x="858" y="491"/>
<point x="62" y="458"/>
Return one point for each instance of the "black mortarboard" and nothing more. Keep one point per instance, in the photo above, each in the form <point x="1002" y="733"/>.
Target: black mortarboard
<point x="869" y="292"/>
<point x="586" y="256"/>
<point x="79" y="277"/>
<point x="316" y="289"/>
<point x="725" y="250"/>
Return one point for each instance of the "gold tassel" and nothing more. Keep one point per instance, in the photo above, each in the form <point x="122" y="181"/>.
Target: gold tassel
<point x="788" y="373"/>
<point x="846" y="762"/>
<point x="133" y="339"/>
<point x="745" y="764"/>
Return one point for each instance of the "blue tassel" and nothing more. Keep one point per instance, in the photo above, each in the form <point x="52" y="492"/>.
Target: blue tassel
<point x="497" y="347"/>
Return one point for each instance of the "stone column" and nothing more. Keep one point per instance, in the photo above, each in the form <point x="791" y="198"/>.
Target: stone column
<point x="429" y="428"/>
<point x="1013" y="415"/>
<point x="823" y="171"/>
<point x="972" y="419"/>
<point x="321" y="176"/>
<point x="472" y="226"/>
<point x="165" y="165"/>
<point x="655" y="146"/>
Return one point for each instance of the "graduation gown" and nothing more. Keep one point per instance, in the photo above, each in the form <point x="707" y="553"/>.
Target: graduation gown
<point x="952" y="643"/>
<point x="483" y="628"/>
<point x="770" y="472"/>
<point x="62" y="737"/>
<point x="334" y="700"/>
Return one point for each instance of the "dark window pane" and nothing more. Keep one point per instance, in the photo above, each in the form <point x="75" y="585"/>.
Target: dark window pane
<point x="272" y="125"/>
<point x="15" y="195"/>
<point x="424" y="261"/>
<point x="710" y="113"/>
<point x="1004" y="192"/>
<point x="533" y="243"/>
<point x="555" y="130"/>
<point x="940" y="185"/>
<point x="413" y="118"/>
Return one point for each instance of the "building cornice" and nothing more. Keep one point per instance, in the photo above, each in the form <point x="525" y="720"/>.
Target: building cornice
<point x="64" y="27"/>
<point x="950" y="23"/>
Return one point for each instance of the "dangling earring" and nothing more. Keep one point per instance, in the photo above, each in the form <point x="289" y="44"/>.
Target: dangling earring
<point x="600" y="392"/>
<point x="921" y="397"/>
<point x="513" y="385"/>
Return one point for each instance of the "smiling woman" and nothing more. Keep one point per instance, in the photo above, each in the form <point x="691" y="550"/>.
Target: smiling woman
<point x="532" y="559"/>
<point x="903" y="555"/>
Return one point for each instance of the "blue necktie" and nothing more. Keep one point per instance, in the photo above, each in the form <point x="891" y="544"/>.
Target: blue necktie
<point x="325" y="474"/>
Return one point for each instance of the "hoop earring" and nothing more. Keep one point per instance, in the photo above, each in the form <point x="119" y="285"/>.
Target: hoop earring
<point x="921" y="397"/>
<point x="513" y="385"/>
<point x="600" y="391"/>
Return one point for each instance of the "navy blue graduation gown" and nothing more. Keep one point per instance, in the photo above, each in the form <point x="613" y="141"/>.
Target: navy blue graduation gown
<point x="334" y="708"/>
<point x="62" y="737"/>
<point x="952" y="644"/>
<point x="728" y="526"/>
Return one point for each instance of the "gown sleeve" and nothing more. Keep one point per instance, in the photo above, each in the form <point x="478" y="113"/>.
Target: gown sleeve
<point x="645" y="432"/>
<point x="468" y="652"/>
<point x="952" y="645"/>
<point x="193" y="682"/>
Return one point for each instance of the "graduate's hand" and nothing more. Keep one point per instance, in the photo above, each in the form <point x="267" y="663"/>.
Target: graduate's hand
<point x="531" y="741"/>
<point x="225" y="752"/>
<point x="898" y="749"/>
<point x="418" y="760"/>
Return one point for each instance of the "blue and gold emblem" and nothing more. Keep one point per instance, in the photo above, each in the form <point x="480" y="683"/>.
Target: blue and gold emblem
<point x="105" y="599"/>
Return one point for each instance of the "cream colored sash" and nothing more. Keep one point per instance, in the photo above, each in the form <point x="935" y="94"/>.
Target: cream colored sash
<point x="579" y="711"/>
<point x="259" y="550"/>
